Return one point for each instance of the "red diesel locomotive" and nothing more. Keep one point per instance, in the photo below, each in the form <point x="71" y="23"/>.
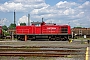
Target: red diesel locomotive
<point x="43" y="31"/>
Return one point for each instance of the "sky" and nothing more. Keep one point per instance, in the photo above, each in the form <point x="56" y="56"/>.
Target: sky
<point x="75" y="13"/>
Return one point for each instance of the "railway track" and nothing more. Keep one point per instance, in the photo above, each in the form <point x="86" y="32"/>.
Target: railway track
<point x="42" y="51"/>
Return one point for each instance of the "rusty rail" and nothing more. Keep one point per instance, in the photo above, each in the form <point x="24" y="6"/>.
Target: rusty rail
<point x="40" y="51"/>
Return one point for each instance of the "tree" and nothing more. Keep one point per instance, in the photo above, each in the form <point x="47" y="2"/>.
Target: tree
<point x="5" y="27"/>
<point x="5" y="33"/>
<point x="22" y="24"/>
<point x="4" y="30"/>
<point x="12" y="26"/>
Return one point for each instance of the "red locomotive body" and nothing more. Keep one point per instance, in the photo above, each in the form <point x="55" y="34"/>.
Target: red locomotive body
<point x="43" y="31"/>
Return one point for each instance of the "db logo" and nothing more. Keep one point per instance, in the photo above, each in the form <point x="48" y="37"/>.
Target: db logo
<point x="51" y="28"/>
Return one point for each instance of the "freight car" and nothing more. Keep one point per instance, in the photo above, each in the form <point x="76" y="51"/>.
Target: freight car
<point x="43" y="31"/>
<point x="0" y="31"/>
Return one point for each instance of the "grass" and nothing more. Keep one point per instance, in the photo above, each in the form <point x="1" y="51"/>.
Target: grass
<point x="21" y="58"/>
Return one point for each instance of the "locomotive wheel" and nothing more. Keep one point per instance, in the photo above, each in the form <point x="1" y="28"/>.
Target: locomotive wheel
<point x="56" y="39"/>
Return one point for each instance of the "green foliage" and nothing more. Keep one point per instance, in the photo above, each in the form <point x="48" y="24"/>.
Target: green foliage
<point x="21" y="58"/>
<point x="22" y="24"/>
<point x="5" y="27"/>
<point x="12" y="26"/>
<point x="5" y="33"/>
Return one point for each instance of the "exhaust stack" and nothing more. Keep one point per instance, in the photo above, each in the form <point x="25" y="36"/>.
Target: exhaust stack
<point x="42" y="20"/>
<point x="28" y="19"/>
<point x="14" y="17"/>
